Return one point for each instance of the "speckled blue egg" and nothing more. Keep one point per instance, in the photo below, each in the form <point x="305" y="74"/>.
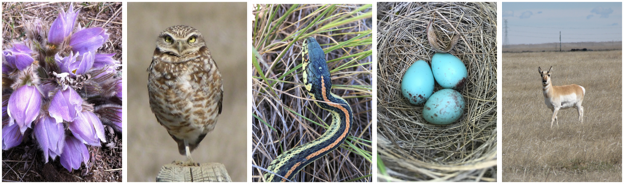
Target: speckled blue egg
<point x="449" y="71"/>
<point x="444" y="107"/>
<point x="417" y="84"/>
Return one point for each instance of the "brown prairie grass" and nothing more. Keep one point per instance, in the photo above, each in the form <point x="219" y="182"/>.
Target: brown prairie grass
<point x="572" y="151"/>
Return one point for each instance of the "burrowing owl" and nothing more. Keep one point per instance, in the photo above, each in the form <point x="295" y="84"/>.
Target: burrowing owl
<point x="185" y="87"/>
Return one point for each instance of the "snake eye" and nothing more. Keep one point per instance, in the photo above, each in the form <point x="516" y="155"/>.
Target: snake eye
<point x="168" y="39"/>
<point x="192" y="39"/>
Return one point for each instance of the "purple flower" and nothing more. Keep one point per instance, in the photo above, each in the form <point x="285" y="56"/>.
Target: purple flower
<point x="51" y="137"/>
<point x="74" y="154"/>
<point x="102" y="60"/>
<point x="65" y="105"/>
<point x="118" y="123"/>
<point x="88" y="128"/>
<point x="89" y="39"/>
<point x="77" y="64"/>
<point x="11" y="136"/>
<point x="17" y="57"/>
<point x="62" y="26"/>
<point x="120" y="89"/>
<point x="23" y="107"/>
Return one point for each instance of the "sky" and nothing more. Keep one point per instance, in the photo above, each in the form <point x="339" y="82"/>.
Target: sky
<point x="536" y="22"/>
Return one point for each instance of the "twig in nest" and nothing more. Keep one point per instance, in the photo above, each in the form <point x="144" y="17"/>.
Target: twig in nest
<point x="433" y="39"/>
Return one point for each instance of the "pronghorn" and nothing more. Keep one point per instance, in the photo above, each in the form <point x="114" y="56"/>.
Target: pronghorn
<point x="561" y="97"/>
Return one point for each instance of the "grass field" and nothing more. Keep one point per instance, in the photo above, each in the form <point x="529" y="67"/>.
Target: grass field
<point x="554" y="47"/>
<point x="572" y="151"/>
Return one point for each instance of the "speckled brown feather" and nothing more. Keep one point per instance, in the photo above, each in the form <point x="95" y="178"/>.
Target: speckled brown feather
<point x="185" y="88"/>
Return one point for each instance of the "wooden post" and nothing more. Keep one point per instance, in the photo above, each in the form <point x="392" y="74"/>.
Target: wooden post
<point x="205" y="172"/>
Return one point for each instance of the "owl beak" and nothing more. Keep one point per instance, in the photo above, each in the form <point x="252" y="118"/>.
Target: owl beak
<point x="179" y="47"/>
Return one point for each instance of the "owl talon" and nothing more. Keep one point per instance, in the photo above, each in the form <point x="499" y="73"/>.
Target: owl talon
<point x="186" y="163"/>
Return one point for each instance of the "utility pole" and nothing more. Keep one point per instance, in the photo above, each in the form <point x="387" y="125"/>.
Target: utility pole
<point x="506" y="37"/>
<point x="559" y="41"/>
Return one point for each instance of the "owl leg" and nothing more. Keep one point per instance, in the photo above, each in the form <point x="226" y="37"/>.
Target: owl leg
<point x="188" y="152"/>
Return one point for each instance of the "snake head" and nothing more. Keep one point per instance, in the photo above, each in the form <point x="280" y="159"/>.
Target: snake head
<point x="315" y="71"/>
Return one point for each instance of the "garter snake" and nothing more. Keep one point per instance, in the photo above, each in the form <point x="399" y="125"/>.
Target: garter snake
<point x="318" y="85"/>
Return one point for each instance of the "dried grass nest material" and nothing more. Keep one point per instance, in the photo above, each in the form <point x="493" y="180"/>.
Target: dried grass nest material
<point x="412" y="149"/>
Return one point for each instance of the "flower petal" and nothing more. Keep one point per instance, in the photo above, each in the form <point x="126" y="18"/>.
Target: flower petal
<point x="62" y="26"/>
<point x="21" y="47"/>
<point x="11" y="136"/>
<point x="85" y="64"/>
<point x="74" y="153"/>
<point x="19" y="60"/>
<point x="102" y="60"/>
<point x="24" y="105"/>
<point x="70" y="19"/>
<point x="51" y="137"/>
<point x="6" y="66"/>
<point x="57" y="32"/>
<point x="97" y="125"/>
<point x="120" y="89"/>
<point x="65" y="105"/>
<point x="88" y="128"/>
<point x="89" y="39"/>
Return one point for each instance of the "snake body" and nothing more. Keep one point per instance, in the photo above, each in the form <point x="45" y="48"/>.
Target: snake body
<point x="318" y="84"/>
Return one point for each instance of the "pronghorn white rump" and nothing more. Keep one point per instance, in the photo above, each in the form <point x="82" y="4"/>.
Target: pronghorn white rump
<point x="561" y="97"/>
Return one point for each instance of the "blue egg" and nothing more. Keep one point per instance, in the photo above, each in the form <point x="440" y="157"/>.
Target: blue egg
<point x="449" y="71"/>
<point x="417" y="84"/>
<point x="444" y="107"/>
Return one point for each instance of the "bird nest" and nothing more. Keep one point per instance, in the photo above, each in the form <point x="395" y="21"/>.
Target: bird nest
<point x="410" y="149"/>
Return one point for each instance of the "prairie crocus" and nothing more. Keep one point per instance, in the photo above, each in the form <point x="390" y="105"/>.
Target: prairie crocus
<point x="88" y="128"/>
<point x="89" y="39"/>
<point x="102" y="60"/>
<point x="74" y="154"/>
<point x="24" y="105"/>
<point x="119" y="89"/>
<point x="65" y="105"/>
<point x="17" y="57"/>
<point x="51" y="137"/>
<point x="75" y="64"/>
<point x="11" y="136"/>
<point x="62" y="26"/>
<point x="118" y="123"/>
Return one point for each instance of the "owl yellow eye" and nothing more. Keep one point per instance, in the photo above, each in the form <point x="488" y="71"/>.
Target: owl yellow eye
<point x="168" y="39"/>
<point x="192" y="39"/>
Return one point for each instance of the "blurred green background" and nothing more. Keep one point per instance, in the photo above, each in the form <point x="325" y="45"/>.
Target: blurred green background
<point x="224" y="27"/>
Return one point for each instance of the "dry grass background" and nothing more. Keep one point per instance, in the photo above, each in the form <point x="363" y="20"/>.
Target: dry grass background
<point x="554" y="47"/>
<point x="25" y="162"/>
<point x="409" y="149"/>
<point x="572" y="151"/>
<point x="284" y="115"/>
<point x="224" y="26"/>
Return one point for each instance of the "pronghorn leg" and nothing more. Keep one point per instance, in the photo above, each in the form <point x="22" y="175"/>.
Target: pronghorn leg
<point x="579" y="108"/>
<point x="554" y="117"/>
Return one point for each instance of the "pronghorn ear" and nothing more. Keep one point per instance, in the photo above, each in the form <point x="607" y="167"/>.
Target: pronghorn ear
<point x="549" y="69"/>
<point x="539" y="69"/>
